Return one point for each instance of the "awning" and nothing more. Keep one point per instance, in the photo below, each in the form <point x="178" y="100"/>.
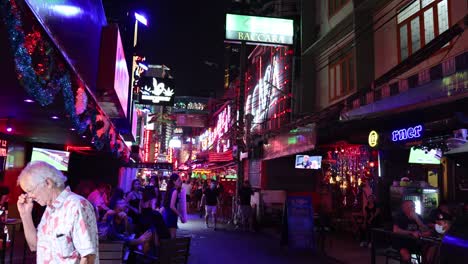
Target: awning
<point x="437" y="92"/>
<point x="462" y="149"/>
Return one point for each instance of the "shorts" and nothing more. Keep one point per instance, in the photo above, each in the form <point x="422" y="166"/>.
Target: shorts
<point x="170" y="218"/>
<point x="210" y="209"/>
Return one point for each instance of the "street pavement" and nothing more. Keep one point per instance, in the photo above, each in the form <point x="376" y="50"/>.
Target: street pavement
<point x="230" y="246"/>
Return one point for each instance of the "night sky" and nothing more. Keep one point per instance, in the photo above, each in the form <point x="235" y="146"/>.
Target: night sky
<point x="187" y="36"/>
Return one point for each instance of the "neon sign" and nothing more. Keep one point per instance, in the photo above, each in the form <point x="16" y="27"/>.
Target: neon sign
<point x="268" y="98"/>
<point x="159" y="91"/>
<point x="146" y="144"/>
<point x="373" y="138"/>
<point x="407" y="133"/>
<point x="212" y="137"/>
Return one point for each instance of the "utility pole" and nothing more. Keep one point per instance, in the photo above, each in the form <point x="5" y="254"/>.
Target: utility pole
<point x="240" y="121"/>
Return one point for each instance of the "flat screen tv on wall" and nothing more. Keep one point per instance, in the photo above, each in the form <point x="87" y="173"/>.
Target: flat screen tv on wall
<point x="308" y="162"/>
<point x="425" y="156"/>
<point x="57" y="158"/>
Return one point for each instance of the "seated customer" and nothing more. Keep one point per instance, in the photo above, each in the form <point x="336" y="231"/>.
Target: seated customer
<point x="408" y="223"/>
<point x="442" y="209"/>
<point x="98" y="198"/>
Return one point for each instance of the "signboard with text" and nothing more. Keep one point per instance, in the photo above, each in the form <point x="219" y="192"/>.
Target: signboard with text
<point x="259" y="29"/>
<point x="300" y="222"/>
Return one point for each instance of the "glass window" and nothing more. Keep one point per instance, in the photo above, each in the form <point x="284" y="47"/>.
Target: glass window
<point x="408" y="11"/>
<point x="351" y="73"/>
<point x="344" y="77"/>
<point x="403" y="42"/>
<point x="428" y="25"/>
<point x="424" y="3"/>
<point x="415" y="35"/>
<point x="332" y="83"/>
<point x="338" y="80"/>
<point x="442" y="15"/>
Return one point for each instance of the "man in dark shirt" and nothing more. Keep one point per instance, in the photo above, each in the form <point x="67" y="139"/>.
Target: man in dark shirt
<point x="411" y="224"/>
<point x="245" y="208"/>
<point x="211" y="197"/>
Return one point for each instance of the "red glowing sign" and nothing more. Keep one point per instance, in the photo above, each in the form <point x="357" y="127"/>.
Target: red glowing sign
<point x="268" y="87"/>
<point x="213" y="137"/>
<point x="146" y="145"/>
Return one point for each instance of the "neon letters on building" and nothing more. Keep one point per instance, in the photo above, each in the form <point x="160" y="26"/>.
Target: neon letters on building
<point x="407" y="133"/>
<point x="212" y="138"/>
<point x="268" y="87"/>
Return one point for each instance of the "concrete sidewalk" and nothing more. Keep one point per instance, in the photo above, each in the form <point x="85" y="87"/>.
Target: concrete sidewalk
<point x="229" y="246"/>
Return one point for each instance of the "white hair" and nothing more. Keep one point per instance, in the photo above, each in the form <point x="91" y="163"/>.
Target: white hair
<point x="38" y="171"/>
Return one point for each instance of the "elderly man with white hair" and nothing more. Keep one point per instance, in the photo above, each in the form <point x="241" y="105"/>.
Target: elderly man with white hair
<point x="67" y="232"/>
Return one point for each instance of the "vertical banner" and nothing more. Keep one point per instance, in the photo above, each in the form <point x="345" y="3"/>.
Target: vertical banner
<point x="299" y="222"/>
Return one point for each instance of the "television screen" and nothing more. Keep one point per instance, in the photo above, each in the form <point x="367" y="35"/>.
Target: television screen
<point x="308" y="162"/>
<point x="56" y="158"/>
<point x="425" y="156"/>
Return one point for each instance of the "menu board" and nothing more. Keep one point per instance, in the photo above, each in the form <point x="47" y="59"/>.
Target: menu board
<point x="300" y="222"/>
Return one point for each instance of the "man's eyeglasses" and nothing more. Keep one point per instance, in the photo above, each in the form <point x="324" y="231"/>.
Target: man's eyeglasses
<point x="33" y="190"/>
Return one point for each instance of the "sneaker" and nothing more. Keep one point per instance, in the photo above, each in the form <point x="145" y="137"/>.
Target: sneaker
<point x="362" y="244"/>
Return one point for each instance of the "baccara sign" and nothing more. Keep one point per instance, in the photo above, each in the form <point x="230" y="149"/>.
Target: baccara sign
<point x="259" y="29"/>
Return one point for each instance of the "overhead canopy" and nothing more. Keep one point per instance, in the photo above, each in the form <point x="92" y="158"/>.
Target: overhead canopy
<point x="462" y="149"/>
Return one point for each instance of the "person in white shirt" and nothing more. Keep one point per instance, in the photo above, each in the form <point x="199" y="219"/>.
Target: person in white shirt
<point x="67" y="232"/>
<point x="98" y="198"/>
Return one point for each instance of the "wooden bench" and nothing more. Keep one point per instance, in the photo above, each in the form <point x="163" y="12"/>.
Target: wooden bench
<point x="111" y="252"/>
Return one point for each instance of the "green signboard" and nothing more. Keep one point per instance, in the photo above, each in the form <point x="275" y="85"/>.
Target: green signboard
<point x="259" y="29"/>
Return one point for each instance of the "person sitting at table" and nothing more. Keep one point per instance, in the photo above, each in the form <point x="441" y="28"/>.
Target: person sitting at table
<point x="118" y="226"/>
<point x="408" y="222"/>
<point x="442" y="209"/>
<point x="442" y="225"/>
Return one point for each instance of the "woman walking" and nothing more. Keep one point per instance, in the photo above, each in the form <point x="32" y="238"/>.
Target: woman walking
<point x="174" y="204"/>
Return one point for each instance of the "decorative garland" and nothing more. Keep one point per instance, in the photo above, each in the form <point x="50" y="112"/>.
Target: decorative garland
<point x="44" y="79"/>
<point x="42" y="82"/>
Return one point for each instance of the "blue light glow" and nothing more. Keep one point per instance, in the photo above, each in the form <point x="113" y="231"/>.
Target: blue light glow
<point x="407" y="133"/>
<point x="141" y="19"/>
<point x="67" y="10"/>
<point x="456" y="241"/>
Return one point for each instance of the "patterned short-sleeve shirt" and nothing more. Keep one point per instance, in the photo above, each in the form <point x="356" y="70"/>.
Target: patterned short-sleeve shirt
<point x="67" y="230"/>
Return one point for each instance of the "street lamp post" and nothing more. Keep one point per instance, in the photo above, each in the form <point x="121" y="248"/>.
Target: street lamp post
<point x="142" y="19"/>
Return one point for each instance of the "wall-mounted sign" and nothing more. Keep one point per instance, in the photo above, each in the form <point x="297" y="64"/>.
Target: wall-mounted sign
<point x="259" y="29"/>
<point x="3" y="148"/>
<point x="113" y="78"/>
<point x="157" y="91"/>
<point x="268" y="87"/>
<point x="189" y="104"/>
<point x="373" y="138"/>
<point x="212" y="138"/>
<point x="407" y="133"/>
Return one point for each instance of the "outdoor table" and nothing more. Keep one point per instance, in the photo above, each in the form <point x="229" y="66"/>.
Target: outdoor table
<point x="392" y="236"/>
<point x="10" y="222"/>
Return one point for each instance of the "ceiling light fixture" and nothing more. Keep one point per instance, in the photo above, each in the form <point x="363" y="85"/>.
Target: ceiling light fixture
<point x="8" y="124"/>
<point x="28" y="101"/>
<point x="54" y="117"/>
